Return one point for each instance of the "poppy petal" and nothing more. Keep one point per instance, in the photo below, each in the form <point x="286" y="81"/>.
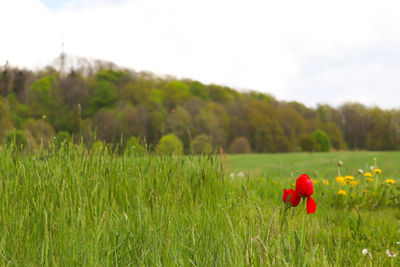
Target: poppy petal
<point x="286" y="194"/>
<point x="311" y="205"/>
<point x="295" y="199"/>
<point x="304" y="186"/>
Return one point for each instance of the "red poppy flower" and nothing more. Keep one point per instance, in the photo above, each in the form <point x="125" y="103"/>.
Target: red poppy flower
<point x="304" y="186"/>
<point x="304" y="189"/>
<point x="293" y="200"/>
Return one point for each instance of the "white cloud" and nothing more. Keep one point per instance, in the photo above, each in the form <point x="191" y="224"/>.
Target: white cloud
<point x="310" y="51"/>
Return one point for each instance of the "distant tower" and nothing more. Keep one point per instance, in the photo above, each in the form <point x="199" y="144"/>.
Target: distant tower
<point x="62" y="58"/>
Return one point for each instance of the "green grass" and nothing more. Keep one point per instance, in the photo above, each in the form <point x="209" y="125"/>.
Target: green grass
<point x="316" y="164"/>
<point x="91" y="208"/>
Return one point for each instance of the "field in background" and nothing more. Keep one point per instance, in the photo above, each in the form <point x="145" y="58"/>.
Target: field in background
<point x="71" y="206"/>
<point x="318" y="165"/>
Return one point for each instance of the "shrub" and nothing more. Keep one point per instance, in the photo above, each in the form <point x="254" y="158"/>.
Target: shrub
<point x="133" y="146"/>
<point x="170" y="144"/>
<point x="99" y="146"/>
<point x="201" y="144"/>
<point x="323" y="140"/>
<point x="308" y="143"/>
<point x="62" y="138"/>
<point x="16" y="138"/>
<point x="40" y="132"/>
<point x="240" y="146"/>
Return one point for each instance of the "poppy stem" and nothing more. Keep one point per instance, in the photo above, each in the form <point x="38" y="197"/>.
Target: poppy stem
<point x="303" y="227"/>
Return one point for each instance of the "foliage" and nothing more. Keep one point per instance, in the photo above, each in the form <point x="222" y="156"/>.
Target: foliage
<point x="174" y="92"/>
<point x="170" y="145"/>
<point x="62" y="139"/>
<point x="240" y="146"/>
<point x="323" y="140"/>
<point x="309" y="143"/>
<point x="133" y="147"/>
<point x="39" y="97"/>
<point x="198" y="89"/>
<point x="105" y="95"/>
<point x="201" y="144"/>
<point x="41" y="133"/>
<point x="5" y="122"/>
<point x="16" y="138"/>
<point x="108" y="102"/>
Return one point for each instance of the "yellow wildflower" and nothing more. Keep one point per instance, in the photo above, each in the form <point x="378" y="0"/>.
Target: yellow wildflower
<point x="314" y="181"/>
<point x="341" y="192"/>
<point x="368" y="174"/>
<point x="349" y="177"/>
<point x="354" y="182"/>
<point x="325" y="182"/>
<point x="390" y="181"/>
<point x="341" y="180"/>
<point x="370" y="179"/>
<point x="378" y="171"/>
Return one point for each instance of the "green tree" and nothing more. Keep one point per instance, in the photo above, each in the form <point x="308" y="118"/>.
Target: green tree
<point x="180" y="124"/>
<point x="266" y="135"/>
<point x="137" y="92"/>
<point x="214" y="122"/>
<point x="175" y="92"/>
<point x="222" y="94"/>
<point x="198" y="89"/>
<point x="379" y="135"/>
<point x="335" y="135"/>
<point x="323" y="140"/>
<point x="5" y="121"/>
<point x="111" y="76"/>
<point x="105" y="96"/>
<point x="308" y="143"/>
<point x="40" y="97"/>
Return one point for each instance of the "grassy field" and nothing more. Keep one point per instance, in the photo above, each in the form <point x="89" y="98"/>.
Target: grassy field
<point x="315" y="164"/>
<point x="80" y="207"/>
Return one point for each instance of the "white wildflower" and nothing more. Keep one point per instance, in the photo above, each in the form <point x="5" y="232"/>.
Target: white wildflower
<point x="398" y="242"/>
<point x="340" y="163"/>
<point x="365" y="252"/>
<point x="240" y="174"/>
<point x="232" y="175"/>
<point x="372" y="168"/>
<point x="360" y="171"/>
<point x="391" y="254"/>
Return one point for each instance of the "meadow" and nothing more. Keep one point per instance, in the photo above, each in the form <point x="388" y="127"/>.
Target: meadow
<point x="73" y="206"/>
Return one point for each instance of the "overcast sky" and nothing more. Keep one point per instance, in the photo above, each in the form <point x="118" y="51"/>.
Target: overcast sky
<point x="307" y="51"/>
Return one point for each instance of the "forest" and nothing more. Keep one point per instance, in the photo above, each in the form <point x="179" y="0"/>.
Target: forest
<point x="99" y="102"/>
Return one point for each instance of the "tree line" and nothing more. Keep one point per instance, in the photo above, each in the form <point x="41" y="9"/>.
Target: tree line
<point x="100" y="102"/>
